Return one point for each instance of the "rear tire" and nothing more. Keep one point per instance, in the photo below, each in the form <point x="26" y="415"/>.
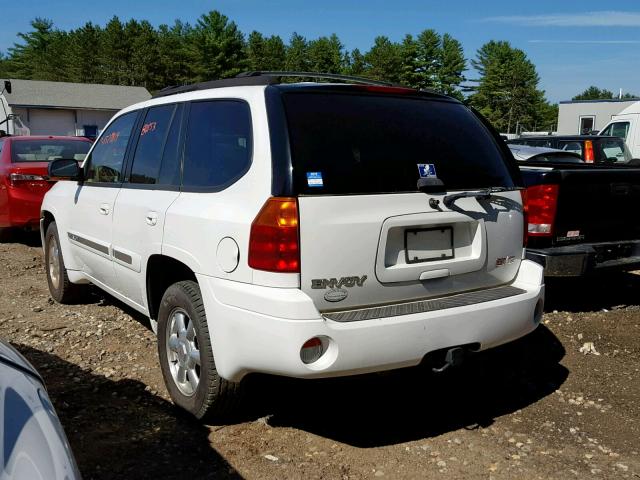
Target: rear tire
<point x="186" y="355"/>
<point x="6" y="234"/>
<point x="60" y="288"/>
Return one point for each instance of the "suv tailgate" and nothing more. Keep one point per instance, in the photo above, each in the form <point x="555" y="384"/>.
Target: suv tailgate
<point x="367" y="236"/>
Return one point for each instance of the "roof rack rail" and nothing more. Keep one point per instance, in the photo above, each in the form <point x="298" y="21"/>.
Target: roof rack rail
<point x="264" y="78"/>
<point x="328" y="76"/>
<point x="224" y="82"/>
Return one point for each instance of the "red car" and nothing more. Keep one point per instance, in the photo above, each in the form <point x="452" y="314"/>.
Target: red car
<point x="23" y="170"/>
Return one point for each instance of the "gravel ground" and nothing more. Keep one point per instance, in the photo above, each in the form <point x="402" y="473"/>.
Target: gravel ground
<point x="538" y="408"/>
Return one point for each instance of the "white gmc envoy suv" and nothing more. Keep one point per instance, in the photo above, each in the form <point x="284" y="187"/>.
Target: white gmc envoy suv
<point x="299" y="229"/>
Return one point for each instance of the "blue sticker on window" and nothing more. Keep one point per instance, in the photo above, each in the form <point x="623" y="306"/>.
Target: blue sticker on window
<point x="314" y="179"/>
<point x="427" y="170"/>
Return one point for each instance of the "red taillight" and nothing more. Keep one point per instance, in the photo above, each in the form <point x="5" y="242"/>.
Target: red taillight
<point x="542" y="203"/>
<point x="525" y="216"/>
<point x="589" y="156"/>
<point x="274" y="242"/>
<point x="17" y="179"/>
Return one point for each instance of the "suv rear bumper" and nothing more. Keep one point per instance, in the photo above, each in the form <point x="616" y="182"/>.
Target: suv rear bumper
<point x="578" y="260"/>
<point x="267" y="334"/>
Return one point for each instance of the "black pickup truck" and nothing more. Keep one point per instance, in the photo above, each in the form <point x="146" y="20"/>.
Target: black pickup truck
<point x="582" y="218"/>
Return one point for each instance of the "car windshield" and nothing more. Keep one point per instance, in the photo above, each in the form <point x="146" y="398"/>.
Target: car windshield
<point x="48" y="150"/>
<point x="352" y="143"/>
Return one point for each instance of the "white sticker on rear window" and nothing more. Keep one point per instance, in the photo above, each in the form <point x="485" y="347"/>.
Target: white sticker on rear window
<point x="427" y="170"/>
<point x="314" y="179"/>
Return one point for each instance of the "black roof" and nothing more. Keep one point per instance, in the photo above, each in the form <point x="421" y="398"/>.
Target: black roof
<point x="275" y="78"/>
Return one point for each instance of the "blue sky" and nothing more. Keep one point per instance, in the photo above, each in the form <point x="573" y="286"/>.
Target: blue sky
<point x="573" y="44"/>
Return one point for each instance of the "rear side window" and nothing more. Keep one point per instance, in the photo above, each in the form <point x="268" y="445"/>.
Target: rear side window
<point x="570" y="146"/>
<point x="47" y="150"/>
<point x="105" y="162"/>
<point x="614" y="151"/>
<point x="218" y="144"/>
<point x="152" y="153"/>
<point x="360" y="144"/>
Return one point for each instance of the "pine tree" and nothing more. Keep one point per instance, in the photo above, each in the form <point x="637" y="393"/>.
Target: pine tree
<point x="429" y="60"/>
<point x="80" y="57"/>
<point x="326" y="54"/>
<point x="384" y="60"/>
<point x="175" y="57"/>
<point x="218" y="46"/>
<point x="453" y="64"/>
<point x="507" y="91"/>
<point x="297" y="54"/>
<point x="114" y="54"/>
<point x="355" y="63"/>
<point x="38" y="56"/>
<point x="265" y="53"/>
<point x="594" y="93"/>
<point x="409" y="70"/>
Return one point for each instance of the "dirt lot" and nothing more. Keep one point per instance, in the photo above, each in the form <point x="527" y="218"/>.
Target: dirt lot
<point x="538" y="408"/>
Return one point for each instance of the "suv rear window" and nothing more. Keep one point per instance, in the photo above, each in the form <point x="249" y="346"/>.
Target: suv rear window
<point x="47" y="150"/>
<point x="363" y="144"/>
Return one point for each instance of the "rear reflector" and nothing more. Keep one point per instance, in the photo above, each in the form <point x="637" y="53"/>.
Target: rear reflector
<point x="542" y="204"/>
<point x="312" y="350"/>
<point x="274" y="243"/>
<point x="589" y="156"/>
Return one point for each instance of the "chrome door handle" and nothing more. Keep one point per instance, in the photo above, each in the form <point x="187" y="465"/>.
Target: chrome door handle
<point x="151" y="218"/>
<point x="104" y="209"/>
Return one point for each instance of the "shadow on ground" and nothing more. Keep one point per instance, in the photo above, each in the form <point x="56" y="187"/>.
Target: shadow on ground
<point x="411" y="404"/>
<point x="118" y="430"/>
<point x="29" y="238"/>
<point x="593" y="293"/>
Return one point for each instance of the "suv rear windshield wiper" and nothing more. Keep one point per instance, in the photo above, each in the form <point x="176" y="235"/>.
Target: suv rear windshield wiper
<point x="448" y="200"/>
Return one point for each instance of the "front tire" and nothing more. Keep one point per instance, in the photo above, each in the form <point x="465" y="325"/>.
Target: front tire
<point x="60" y="288"/>
<point x="186" y="355"/>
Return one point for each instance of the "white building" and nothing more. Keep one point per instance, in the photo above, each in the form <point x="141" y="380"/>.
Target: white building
<point x="579" y="116"/>
<point x="62" y="108"/>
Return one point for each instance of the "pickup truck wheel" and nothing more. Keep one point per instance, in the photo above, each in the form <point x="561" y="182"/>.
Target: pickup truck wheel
<point x="60" y="288"/>
<point x="186" y="356"/>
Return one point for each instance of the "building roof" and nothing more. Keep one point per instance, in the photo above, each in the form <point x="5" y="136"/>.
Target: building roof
<point x="603" y="100"/>
<point x="633" y="108"/>
<point x="39" y="93"/>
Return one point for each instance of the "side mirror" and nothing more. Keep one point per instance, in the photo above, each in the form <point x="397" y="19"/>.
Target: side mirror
<point x="7" y="86"/>
<point x="65" y="169"/>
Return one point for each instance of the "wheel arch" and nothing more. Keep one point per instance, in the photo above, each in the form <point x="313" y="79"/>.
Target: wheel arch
<point x="162" y="272"/>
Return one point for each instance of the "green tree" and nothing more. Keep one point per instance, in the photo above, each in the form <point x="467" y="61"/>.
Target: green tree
<point x="326" y="54"/>
<point x="384" y="60"/>
<point x="595" y="93"/>
<point x="265" y="53"/>
<point x="218" y="47"/>
<point x="453" y="64"/>
<point x="409" y="70"/>
<point x="38" y="55"/>
<point x="175" y="55"/>
<point x="428" y="60"/>
<point x="297" y="54"/>
<point x="355" y="63"/>
<point x="114" y="53"/>
<point x="507" y="92"/>
<point x="81" y="59"/>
